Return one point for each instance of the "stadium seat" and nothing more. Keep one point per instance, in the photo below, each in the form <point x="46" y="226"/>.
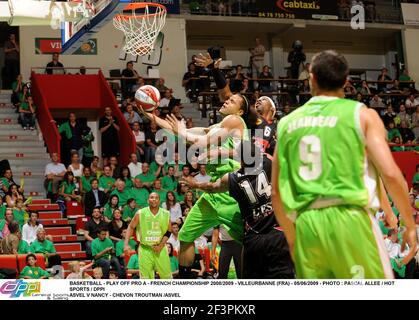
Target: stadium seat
<point x="74" y="210"/>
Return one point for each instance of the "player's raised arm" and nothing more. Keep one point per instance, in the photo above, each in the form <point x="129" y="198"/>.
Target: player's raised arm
<point x="379" y="153"/>
<point x="231" y="126"/>
<point x="280" y="213"/>
<point x="221" y="185"/>
<point x="205" y="61"/>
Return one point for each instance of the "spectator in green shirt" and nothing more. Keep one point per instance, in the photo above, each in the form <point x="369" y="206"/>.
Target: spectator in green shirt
<point x="119" y="247"/>
<point x="32" y="271"/>
<point x="46" y="247"/>
<point x="103" y="252"/>
<point x="17" y="88"/>
<point x="129" y="210"/>
<point x="68" y="188"/>
<point x="126" y="177"/>
<point x="147" y="178"/>
<point x="6" y="181"/>
<point x="122" y="193"/>
<point x="169" y="181"/>
<point x="133" y="265"/>
<point x="106" y="181"/>
<point x="405" y="76"/>
<point x="27" y="114"/>
<point x="86" y="180"/>
<point x="158" y="189"/>
<point x="110" y="207"/>
<point x="392" y="132"/>
<point x="140" y="194"/>
<point x="20" y="214"/>
<point x="23" y="247"/>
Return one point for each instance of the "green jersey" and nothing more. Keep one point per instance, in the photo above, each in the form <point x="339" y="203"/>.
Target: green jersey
<point x="23" y="247"/>
<point x="119" y="247"/>
<point x="42" y="247"/>
<point x="86" y="183"/>
<point x="146" y="178"/>
<point x="129" y="213"/>
<point x="106" y="183"/>
<point x="169" y="183"/>
<point x="322" y="157"/>
<point x="218" y="170"/>
<point x="133" y="262"/>
<point x="151" y="228"/>
<point x="33" y="273"/>
<point x="123" y="196"/>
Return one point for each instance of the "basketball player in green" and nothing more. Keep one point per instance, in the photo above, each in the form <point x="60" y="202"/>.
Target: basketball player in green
<point x="152" y="226"/>
<point x="220" y="140"/>
<point x="325" y="180"/>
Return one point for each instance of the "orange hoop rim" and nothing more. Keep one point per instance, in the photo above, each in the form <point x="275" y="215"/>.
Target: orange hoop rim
<point x="141" y="5"/>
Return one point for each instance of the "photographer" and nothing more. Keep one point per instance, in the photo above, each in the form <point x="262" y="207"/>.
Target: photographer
<point x="296" y="57"/>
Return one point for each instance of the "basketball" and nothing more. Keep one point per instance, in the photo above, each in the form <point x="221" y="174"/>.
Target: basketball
<point x="147" y="97"/>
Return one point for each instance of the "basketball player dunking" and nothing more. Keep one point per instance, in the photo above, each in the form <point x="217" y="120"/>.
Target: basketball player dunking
<point x="221" y="139"/>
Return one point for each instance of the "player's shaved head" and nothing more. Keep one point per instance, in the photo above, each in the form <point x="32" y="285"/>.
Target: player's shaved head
<point x="154" y="200"/>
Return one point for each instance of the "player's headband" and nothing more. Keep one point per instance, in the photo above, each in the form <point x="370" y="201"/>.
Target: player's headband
<point x="246" y="105"/>
<point x="273" y="106"/>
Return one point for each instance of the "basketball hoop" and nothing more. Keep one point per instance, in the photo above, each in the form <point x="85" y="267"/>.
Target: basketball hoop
<point x="141" y="26"/>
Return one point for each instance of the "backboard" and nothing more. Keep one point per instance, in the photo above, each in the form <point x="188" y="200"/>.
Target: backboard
<point x="74" y="34"/>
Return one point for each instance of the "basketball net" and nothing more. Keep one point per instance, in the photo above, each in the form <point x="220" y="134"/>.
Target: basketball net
<point x="140" y="29"/>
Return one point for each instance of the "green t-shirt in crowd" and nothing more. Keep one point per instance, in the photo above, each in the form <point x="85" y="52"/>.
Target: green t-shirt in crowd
<point x="66" y="129"/>
<point x="128" y="184"/>
<point x="392" y="133"/>
<point x="416" y="178"/>
<point x="133" y="262"/>
<point x="154" y="167"/>
<point x="42" y="247"/>
<point x="179" y="197"/>
<point x="33" y="272"/>
<point x="108" y="211"/>
<point x="68" y="187"/>
<point x="128" y="213"/>
<point x="123" y="196"/>
<point x="85" y="182"/>
<point x="146" y="178"/>
<point x="162" y="193"/>
<point x="23" y="247"/>
<point x="98" y="246"/>
<point x="106" y="183"/>
<point x="141" y="196"/>
<point x="174" y="264"/>
<point x="168" y="183"/>
<point x="19" y="216"/>
<point x="119" y="248"/>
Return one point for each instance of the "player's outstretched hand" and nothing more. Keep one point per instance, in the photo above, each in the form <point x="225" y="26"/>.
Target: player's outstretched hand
<point x="391" y="221"/>
<point x="204" y="60"/>
<point x="189" y="181"/>
<point x="410" y="238"/>
<point x="178" y="127"/>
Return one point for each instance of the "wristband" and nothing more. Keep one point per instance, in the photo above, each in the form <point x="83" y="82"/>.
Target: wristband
<point x="219" y="78"/>
<point x="167" y="234"/>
